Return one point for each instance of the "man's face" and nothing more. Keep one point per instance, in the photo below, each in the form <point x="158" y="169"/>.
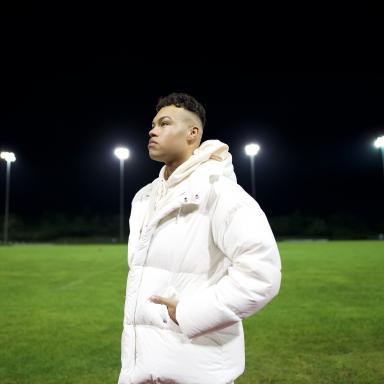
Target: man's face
<point x="169" y="134"/>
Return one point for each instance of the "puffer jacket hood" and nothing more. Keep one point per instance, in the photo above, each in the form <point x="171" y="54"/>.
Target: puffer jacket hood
<point x="214" y="151"/>
<point x="212" y="157"/>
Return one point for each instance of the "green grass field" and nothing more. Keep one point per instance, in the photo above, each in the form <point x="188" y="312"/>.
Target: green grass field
<point x="61" y="314"/>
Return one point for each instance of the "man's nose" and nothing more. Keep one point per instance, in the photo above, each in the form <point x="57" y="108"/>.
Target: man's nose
<point x="152" y="132"/>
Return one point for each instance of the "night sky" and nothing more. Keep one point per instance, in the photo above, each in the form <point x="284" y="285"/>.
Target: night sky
<point x="63" y="118"/>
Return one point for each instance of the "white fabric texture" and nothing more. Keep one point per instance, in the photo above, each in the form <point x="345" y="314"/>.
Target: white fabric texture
<point x="201" y="238"/>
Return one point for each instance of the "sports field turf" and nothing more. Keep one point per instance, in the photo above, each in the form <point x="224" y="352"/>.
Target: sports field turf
<point x="61" y="314"/>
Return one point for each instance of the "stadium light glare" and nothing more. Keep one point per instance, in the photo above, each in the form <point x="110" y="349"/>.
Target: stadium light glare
<point x="8" y="156"/>
<point x="252" y="149"/>
<point x="122" y="153"/>
<point x="379" y="142"/>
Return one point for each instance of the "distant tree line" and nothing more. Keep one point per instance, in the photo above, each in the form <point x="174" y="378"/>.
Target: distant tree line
<point x="64" y="227"/>
<point x="334" y="226"/>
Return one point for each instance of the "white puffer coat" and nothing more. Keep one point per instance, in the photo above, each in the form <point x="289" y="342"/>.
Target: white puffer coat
<point x="209" y="245"/>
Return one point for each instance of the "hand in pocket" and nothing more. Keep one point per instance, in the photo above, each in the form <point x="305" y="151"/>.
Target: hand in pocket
<point x="169" y="302"/>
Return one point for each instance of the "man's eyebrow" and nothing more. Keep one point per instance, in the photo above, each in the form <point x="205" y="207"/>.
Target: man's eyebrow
<point x="162" y="118"/>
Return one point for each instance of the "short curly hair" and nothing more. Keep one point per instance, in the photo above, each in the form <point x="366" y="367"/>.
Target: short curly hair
<point x="185" y="101"/>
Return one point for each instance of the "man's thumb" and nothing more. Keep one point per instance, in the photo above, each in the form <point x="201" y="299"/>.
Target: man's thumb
<point x="158" y="299"/>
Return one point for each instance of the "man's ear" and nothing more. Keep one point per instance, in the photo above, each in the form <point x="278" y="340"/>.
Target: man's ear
<point x="193" y="133"/>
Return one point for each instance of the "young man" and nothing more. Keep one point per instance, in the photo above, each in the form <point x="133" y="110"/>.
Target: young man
<point x="201" y="257"/>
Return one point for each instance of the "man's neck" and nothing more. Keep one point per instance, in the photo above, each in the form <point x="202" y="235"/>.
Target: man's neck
<point x="172" y="165"/>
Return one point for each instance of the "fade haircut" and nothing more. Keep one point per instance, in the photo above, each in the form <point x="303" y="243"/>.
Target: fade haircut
<point x="183" y="100"/>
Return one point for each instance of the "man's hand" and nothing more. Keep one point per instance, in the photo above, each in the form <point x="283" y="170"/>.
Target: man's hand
<point x="170" y="303"/>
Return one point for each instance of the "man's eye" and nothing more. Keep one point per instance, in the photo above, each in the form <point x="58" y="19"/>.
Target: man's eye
<point x="164" y="123"/>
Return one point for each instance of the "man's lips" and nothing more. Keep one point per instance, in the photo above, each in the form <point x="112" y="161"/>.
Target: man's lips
<point x="152" y="142"/>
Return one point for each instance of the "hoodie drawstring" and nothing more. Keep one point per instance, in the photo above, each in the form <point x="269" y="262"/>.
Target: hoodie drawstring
<point x="177" y="217"/>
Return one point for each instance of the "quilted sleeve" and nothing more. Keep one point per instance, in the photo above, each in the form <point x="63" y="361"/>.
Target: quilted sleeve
<point x="242" y="232"/>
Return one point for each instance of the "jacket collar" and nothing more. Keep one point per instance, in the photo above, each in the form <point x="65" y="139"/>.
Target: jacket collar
<point x="186" y="193"/>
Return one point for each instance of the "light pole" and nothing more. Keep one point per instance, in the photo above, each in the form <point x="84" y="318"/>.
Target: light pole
<point x="251" y="150"/>
<point x="379" y="143"/>
<point x="9" y="157"/>
<point x="123" y="154"/>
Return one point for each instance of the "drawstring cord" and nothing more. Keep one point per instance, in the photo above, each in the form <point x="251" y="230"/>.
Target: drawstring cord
<point x="177" y="217"/>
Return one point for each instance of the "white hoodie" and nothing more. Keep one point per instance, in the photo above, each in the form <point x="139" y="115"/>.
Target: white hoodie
<point x="209" y="245"/>
<point x="213" y="150"/>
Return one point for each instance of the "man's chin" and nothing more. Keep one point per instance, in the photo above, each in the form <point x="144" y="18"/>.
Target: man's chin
<point x="152" y="156"/>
